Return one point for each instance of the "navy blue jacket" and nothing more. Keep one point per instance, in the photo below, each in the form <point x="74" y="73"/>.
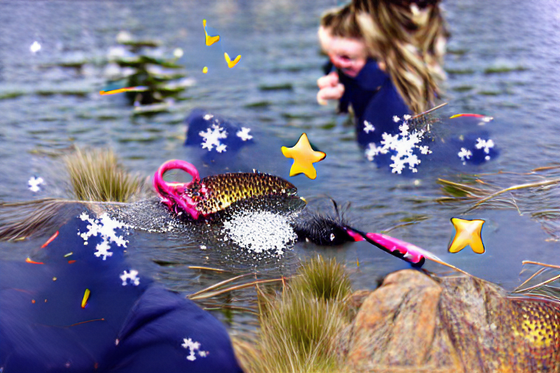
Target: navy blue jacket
<point x="375" y="99"/>
<point x="126" y="325"/>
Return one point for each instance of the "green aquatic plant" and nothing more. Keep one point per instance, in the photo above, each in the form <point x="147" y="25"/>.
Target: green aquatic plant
<point x="159" y="80"/>
<point x="498" y="69"/>
<point x="97" y="175"/>
<point x="463" y="88"/>
<point x="459" y="71"/>
<point x="276" y="87"/>
<point x="301" y="327"/>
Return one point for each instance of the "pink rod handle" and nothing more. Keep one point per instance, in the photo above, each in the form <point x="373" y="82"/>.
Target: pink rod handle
<point x="401" y="249"/>
<point x="171" y="194"/>
<point x="410" y="252"/>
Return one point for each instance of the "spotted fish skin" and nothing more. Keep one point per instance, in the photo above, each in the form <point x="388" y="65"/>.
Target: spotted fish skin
<point x="538" y="327"/>
<point x="216" y="193"/>
<point x="494" y="332"/>
<point x="212" y="194"/>
<point x="416" y="323"/>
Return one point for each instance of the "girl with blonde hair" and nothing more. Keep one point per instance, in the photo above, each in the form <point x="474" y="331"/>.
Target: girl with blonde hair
<point x="388" y="56"/>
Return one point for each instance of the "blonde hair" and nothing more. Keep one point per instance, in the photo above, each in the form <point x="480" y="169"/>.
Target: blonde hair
<point x="411" y="44"/>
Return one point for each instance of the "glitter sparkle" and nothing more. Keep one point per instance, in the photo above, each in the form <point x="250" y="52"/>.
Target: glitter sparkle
<point x="35" y="47"/>
<point x="260" y="232"/>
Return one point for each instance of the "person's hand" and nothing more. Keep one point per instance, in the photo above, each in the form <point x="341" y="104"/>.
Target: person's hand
<point x="329" y="88"/>
<point x="330" y="80"/>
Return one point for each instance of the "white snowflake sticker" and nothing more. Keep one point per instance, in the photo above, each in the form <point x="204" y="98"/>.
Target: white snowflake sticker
<point x="211" y="138"/>
<point x="368" y="127"/>
<point x="403" y="144"/>
<point x="34" y="183"/>
<point x="243" y="134"/>
<point x="131" y="276"/>
<point x="104" y="227"/>
<point x="102" y="249"/>
<point x="484" y="144"/>
<point x="192" y="347"/>
<point x="464" y="154"/>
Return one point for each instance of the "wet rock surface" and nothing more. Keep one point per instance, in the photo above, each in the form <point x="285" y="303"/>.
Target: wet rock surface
<point x="414" y="323"/>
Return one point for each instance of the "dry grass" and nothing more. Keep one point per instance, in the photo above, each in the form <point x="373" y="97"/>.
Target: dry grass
<point x="535" y="193"/>
<point x="301" y="327"/>
<point x="96" y="175"/>
<point x="323" y="279"/>
<point x="20" y="220"/>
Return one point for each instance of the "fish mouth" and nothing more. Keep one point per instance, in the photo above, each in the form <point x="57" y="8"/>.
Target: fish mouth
<point x="291" y="192"/>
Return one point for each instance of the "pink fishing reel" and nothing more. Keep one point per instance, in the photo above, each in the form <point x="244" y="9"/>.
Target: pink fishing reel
<point x="174" y="194"/>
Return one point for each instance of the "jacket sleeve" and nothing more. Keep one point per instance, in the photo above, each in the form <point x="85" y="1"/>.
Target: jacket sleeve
<point x="167" y="333"/>
<point x="371" y="77"/>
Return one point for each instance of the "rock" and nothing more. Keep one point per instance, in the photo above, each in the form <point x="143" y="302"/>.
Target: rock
<point x="414" y="323"/>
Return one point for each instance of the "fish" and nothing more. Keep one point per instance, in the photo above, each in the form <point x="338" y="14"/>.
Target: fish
<point x="202" y="198"/>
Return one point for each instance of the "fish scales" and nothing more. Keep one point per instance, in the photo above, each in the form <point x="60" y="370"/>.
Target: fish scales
<point x="216" y="193"/>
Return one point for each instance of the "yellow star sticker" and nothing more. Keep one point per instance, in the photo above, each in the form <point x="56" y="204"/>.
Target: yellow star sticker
<point x="304" y="156"/>
<point x="467" y="232"/>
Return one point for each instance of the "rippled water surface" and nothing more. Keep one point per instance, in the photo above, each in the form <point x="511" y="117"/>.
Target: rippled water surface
<point x="503" y="61"/>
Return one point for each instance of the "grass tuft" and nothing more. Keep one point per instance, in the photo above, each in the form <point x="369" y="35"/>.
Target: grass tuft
<point x="323" y="279"/>
<point x="96" y="175"/>
<point x="301" y="328"/>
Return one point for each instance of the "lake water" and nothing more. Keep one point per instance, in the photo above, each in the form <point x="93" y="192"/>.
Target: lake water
<point x="47" y="108"/>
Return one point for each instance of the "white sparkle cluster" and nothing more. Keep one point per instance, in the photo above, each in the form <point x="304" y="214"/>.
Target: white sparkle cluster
<point x="260" y="232"/>
<point x="403" y="144"/>
<point x="486" y="145"/>
<point x="105" y="227"/>
<point x="464" y="154"/>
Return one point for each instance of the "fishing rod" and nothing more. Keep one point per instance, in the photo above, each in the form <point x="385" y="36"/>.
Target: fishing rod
<point x="201" y="198"/>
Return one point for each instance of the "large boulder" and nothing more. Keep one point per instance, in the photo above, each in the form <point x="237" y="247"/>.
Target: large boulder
<point x="415" y="323"/>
